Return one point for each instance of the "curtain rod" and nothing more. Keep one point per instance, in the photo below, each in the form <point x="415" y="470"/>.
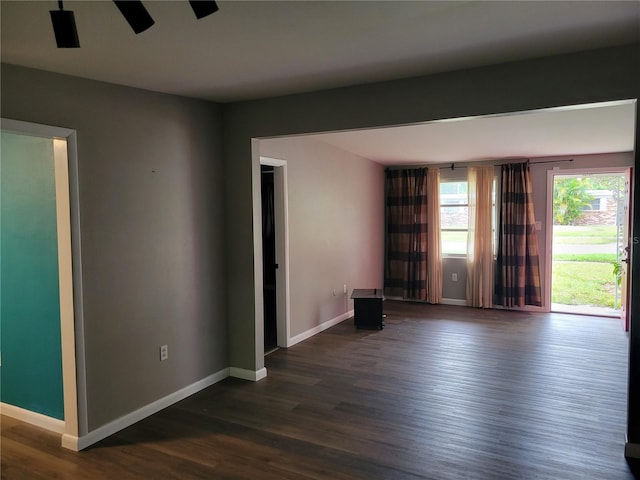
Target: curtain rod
<point x="453" y="166"/>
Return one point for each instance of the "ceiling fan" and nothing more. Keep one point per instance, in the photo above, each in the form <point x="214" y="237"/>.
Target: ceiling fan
<point x="134" y="12"/>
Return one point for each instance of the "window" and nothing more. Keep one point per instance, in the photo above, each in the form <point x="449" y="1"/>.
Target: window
<point x="598" y="201"/>
<point x="454" y="217"/>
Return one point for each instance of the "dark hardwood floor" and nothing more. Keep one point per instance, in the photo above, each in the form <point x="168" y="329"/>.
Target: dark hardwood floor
<point x="441" y="393"/>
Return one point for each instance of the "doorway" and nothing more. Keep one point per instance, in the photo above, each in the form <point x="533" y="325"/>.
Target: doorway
<point x="589" y="241"/>
<point x="63" y="211"/>
<point x="275" y="253"/>
<point x="269" y="265"/>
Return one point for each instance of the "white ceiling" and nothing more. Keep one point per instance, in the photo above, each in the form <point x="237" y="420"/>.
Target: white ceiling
<point x="251" y="50"/>
<point x="578" y="130"/>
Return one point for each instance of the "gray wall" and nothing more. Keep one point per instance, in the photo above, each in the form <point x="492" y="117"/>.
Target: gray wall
<point x="336" y="232"/>
<point x="600" y="75"/>
<point x="152" y="217"/>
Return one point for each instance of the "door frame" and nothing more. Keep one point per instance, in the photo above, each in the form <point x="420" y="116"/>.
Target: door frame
<point x="70" y="273"/>
<point x="551" y="174"/>
<point x="281" y="204"/>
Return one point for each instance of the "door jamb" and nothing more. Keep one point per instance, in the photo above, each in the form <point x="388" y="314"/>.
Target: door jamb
<point x="551" y="174"/>
<point x="70" y="273"/>
<point x="281" y="204"/>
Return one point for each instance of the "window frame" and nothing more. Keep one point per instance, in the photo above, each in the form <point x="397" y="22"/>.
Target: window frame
<point x="453" y="205"/>
<point x="495" y="213"/>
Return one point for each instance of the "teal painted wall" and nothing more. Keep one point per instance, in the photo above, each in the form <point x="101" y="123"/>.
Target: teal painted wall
<point x="31" y="371"/>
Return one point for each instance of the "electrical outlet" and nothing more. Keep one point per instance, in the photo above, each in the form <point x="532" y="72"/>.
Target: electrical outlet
<point x="164" y="352"/>
<point x="344" y="288"/>
<point x="454" y="277"/>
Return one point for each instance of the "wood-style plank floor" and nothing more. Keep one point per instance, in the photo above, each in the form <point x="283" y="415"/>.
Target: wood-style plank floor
<point x="441" y="393"/>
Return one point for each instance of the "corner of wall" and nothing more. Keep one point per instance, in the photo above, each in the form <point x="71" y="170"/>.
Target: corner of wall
<point x="100" y="433"/>
<point x="244" y="374"/>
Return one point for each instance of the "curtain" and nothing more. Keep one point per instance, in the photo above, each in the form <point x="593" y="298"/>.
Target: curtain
<point x="518" y="268"/>
<point x="434" y="247"/>
<point x="406" y="233"/>
<point x="480" y="276"/>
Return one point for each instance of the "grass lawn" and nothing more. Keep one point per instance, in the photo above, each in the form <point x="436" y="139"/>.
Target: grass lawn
<point x="584" y="278"/>
<point x="578" y="278"/>
<point x="583" y="283"/>
<point x="454" y="236"/>
<point x="587" y="235"/>
<point x="586" y="257"/>
<point x="568" y="235"/>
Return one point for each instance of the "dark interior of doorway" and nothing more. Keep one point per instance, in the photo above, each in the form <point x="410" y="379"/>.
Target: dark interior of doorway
<point x="269" y="258"/>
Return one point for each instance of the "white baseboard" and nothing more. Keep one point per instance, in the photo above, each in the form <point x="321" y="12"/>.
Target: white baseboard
<point x="33" y="418"/>
<point x="79" y="443"/>
<point x="250" y="375"/>
<point x="323" y="326"/>
<point x="632" y="450"/>
<point x="454" y="301"/>
<point x="70" y="442"/>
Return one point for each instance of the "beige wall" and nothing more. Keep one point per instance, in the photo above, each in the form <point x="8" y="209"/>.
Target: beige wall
<point x="151" y="223"/>
<point x="336" y="232"/>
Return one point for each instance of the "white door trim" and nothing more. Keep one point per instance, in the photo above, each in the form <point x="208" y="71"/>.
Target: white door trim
<point x="281" y="204"/>
<point x="551" y="174"/>
<point x="70" y="271"/>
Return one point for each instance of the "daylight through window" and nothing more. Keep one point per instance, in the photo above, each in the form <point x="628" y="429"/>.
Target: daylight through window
<point x="454" y="217"/>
